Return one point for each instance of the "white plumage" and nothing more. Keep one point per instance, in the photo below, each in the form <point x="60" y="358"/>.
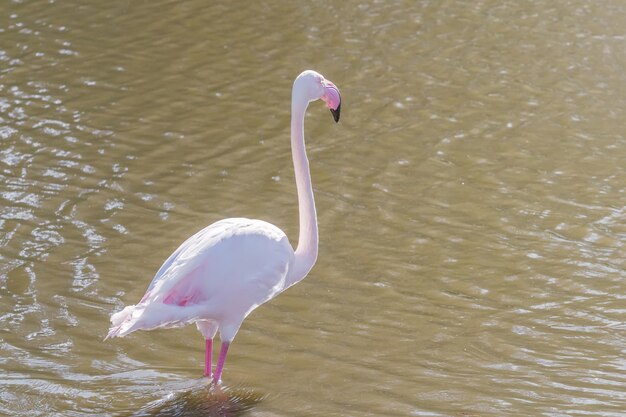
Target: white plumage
<point x="222" y="272"/>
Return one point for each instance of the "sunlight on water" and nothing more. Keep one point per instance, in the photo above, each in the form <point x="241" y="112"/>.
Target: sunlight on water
<point x="471" y="204"/>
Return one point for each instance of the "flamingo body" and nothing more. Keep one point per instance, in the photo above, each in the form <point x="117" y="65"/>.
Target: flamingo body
<point x="219" y="275"/>
<point x="222" y="273"/>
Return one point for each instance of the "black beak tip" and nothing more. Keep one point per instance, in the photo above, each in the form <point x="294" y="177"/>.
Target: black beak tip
<point x="336" y="112"/>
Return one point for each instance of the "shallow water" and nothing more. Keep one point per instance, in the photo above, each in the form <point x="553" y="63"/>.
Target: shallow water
<point x="471" y="202"/>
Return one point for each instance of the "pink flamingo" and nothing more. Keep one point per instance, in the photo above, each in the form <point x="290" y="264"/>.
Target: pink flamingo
<point x="222" y="273"/>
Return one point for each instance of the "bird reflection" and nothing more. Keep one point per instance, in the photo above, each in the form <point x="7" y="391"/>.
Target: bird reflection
<point x="207" y="400"/>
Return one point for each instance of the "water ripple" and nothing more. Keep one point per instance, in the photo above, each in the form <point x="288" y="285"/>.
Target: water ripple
<point x="470" y="204"/>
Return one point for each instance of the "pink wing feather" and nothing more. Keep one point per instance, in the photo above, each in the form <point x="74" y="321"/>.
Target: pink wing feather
<point x="187" y="290"/>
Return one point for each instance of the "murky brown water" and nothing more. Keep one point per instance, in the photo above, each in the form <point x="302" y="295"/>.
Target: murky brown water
<point x="472" y="204"/>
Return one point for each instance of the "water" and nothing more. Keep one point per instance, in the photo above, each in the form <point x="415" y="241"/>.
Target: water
<point x="471" y="203"/>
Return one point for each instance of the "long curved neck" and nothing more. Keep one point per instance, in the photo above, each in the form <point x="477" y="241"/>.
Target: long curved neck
<point x="306" y="252"/>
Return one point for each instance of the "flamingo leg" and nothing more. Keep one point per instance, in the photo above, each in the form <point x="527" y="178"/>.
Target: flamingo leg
<point x="220" y="362"/>
<point x="208" y="354"/>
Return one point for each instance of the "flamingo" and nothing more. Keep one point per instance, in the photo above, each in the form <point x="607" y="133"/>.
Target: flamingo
<point x="218" y="276"/>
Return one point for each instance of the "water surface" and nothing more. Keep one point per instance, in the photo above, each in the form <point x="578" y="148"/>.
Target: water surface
<point x="471" y="204"/>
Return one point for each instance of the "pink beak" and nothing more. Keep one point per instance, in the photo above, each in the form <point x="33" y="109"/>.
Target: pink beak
<point x="332" y="98"/>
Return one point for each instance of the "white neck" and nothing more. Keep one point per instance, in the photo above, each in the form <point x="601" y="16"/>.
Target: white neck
<point x="306" y="252"/>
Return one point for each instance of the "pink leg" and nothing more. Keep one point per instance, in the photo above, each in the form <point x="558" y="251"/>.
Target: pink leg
<point x="220" y="362"/>
<point x="208" y="354"/>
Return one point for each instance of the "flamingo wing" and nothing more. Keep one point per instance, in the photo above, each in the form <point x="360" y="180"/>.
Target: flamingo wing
<point x="221" y="273"/>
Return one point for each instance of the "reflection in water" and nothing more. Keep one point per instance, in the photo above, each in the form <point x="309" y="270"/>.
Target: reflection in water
<point x="202" y="399"/>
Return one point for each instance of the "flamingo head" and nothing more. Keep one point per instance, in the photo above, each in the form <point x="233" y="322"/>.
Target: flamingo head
<point x="316" y="87"/>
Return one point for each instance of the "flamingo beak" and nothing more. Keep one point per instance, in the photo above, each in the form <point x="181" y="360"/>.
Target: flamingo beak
<point x="332" y="98"/>
<point x="336" y="112"/>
